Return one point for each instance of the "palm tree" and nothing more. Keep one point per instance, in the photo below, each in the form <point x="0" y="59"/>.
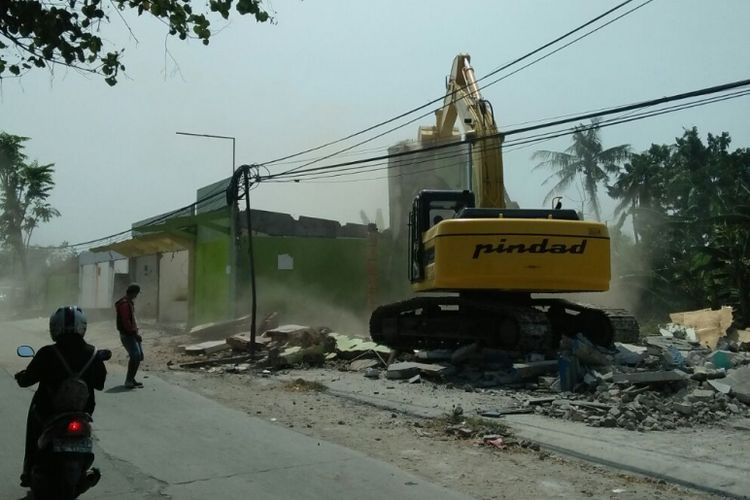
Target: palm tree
<point x="639" y="186"/>
<point x="584" y="161"/>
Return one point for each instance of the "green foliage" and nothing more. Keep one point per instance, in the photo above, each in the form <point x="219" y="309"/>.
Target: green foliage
<point x="691" y="220"/>
<point x="585" y="161"/>
<point x="37" y="34"/>
<point x="25" y="187"/>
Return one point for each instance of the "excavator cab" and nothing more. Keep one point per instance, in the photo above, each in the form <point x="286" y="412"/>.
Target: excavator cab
<point x="430" y="207"/>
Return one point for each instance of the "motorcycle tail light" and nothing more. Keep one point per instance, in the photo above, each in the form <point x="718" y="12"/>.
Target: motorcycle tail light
<point x="75" y="426"/>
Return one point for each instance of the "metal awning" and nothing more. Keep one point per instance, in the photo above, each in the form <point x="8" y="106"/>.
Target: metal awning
<point x="147" y="245"/>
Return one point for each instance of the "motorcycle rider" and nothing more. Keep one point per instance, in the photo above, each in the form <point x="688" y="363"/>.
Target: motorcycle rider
<point x="67" y="326"/>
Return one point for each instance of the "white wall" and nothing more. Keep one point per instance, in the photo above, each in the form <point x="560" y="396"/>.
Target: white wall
<point x="97" y="283"/>
<point x="173" y="287"/>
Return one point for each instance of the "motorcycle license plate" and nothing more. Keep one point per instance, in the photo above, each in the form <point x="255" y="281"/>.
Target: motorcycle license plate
<point x="83" y="445"/>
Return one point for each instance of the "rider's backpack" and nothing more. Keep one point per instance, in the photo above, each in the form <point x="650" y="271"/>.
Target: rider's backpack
<point x="73" y="393"/>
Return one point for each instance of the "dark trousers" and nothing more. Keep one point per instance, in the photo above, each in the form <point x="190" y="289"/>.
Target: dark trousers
<point x="34" y="428"/>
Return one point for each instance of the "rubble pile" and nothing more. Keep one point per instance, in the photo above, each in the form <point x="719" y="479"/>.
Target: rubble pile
<point x="696" y="371"/>
<point x="671" y="380"/>
<point x="285" y="346"/>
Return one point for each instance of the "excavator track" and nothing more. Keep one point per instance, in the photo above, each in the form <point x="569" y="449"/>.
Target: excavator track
<point x="513" y="323"/>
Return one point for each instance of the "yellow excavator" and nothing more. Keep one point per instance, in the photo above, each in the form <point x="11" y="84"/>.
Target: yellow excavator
<point x="487" y="260"/>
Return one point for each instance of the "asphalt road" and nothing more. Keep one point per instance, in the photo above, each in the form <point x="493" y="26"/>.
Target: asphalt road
<point x="167" y="442"/>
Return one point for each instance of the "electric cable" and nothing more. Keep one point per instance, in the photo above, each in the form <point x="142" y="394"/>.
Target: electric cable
<point x="354" y="170"/>
<point x="160" y="218"/>
<point x="581" y="117"/>
<point x="442" y="97"/>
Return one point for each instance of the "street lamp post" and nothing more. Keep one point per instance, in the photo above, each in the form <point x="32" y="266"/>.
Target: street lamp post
<point x="233" y="215"/>
<point x="211" y="136"/>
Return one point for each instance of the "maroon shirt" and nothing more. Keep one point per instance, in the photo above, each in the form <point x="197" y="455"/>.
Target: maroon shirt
<point x="125" y="310"/>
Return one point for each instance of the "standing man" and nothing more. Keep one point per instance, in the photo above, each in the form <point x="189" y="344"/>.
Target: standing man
<point x="129" y="335"/>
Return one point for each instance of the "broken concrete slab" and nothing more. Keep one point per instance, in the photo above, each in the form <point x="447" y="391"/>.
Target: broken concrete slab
<point x="218" y="361"/>
<point x="709" y="325"/>
<point x="353" y="347"/>
<point x="362" y="364"/>
<point x="683" y="408"/>
<point x="221" y="329"/>
<point x="739" y="381"/>
<point x="497" y="413"/>
<point x="663" y="343"/>
<point x="210" y="347"/>
<point x="539" y="401"/>
<point x="582" y="404"/>
<point x="400" y="371"/>
<point x="535" y="368"/>
<point x="650" y="377"/>
<point x="703" y="395"/>
<point x="629" y="354"/>
<point x="719" y="386"/>
<point x="673" y="330"/>
<point x="408" y="369"/>
<point x="298" y="335"/>
<point x="241" y="341"/>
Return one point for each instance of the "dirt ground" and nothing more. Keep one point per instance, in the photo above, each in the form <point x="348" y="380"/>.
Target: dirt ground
<point x="420" y="446"/>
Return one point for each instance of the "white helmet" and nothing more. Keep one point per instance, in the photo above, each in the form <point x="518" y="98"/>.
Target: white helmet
<point x="67" y="319"/>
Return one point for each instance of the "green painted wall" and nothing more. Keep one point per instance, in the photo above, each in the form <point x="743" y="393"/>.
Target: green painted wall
<point x="211" y="281"/>
<point x="328" y="279"/>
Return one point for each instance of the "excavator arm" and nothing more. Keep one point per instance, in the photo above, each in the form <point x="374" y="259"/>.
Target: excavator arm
<point x="464" y="102"/>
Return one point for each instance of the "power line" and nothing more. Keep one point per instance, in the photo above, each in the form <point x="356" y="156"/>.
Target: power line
<point x="160" y="218"/>
<point x="349" y="169"/>
<point x="577" y="118"/>
<point x="520" y="141"/>
<point x="442" y="97"/>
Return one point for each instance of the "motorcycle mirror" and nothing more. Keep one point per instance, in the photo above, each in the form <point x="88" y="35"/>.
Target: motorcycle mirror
<point x="25" y="351"/>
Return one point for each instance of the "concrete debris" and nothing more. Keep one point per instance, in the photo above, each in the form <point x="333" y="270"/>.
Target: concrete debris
<point x="534" y="369"/>
<point x="673" y="330"/>
<point x="680" y="378"/>
<point x="209" y="347"/>
<point x="505" y="411"/>
<point x="629" y="354"/>
<point x="221" y="329"/>
<point x="408" y="369"/>
<point x="354" y="347"/>
<point x="739" y="382"/>
<point x="400" y="371"/>
<point x="359" y="365"/>
<point x="650" y="377"/>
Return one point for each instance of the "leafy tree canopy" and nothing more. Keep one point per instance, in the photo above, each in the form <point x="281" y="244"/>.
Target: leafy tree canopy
<point x="24" y="190"/>
<point x="41" y="33"/>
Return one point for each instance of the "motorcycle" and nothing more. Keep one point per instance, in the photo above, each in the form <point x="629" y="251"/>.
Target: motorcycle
<point x="65" y="452"/>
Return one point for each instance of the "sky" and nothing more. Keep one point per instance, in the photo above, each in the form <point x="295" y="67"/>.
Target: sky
<point x="330" y="68"/>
